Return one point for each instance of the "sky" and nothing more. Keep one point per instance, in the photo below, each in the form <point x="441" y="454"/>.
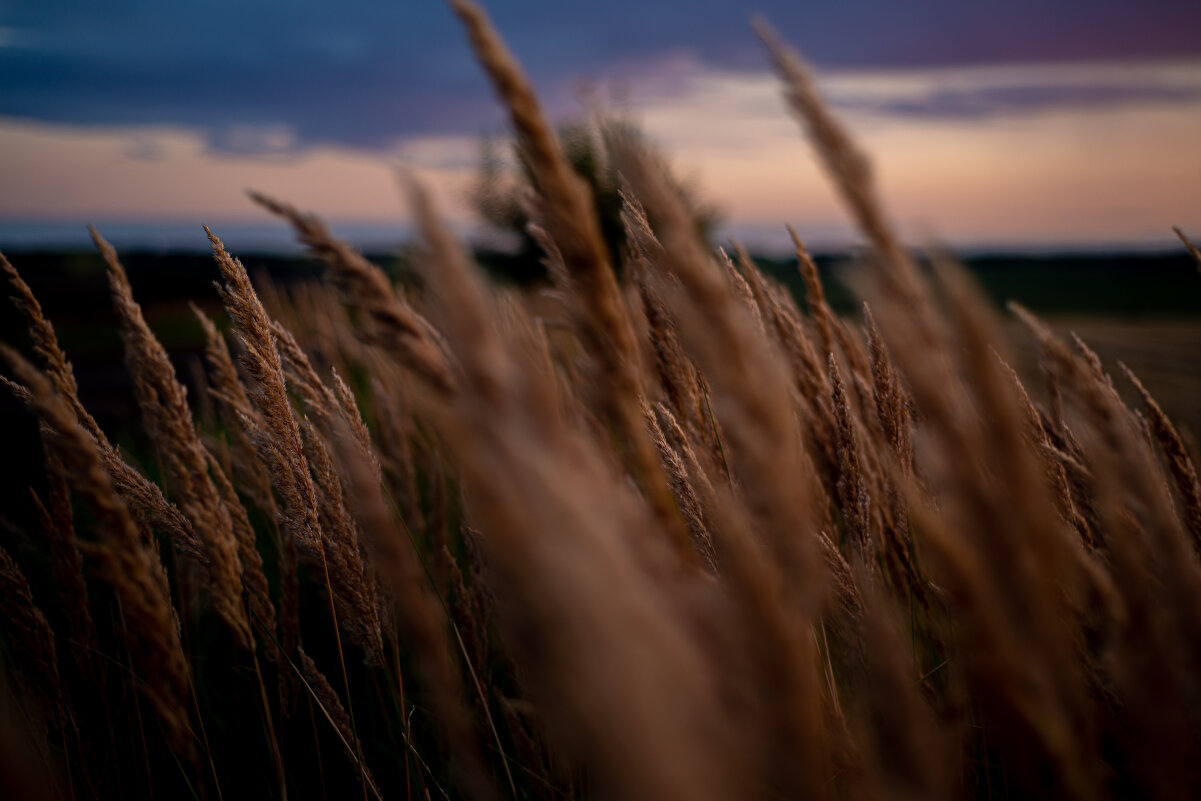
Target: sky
<point x="1011" y="124"/>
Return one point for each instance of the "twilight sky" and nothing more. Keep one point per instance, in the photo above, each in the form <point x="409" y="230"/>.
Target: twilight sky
<point x="1019" y="122"/>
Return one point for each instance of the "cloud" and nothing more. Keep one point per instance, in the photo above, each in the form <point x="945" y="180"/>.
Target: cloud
<point x="144" y="148"/>
<point x="1007" y="100"/>
<point x="441" y="152"/>
<point x="982" y="93"/>
<point x="364" y="73"/>
<point x="268" y="141"/>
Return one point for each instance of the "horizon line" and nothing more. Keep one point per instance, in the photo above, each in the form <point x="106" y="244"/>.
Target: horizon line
<point x="71" y="236"/>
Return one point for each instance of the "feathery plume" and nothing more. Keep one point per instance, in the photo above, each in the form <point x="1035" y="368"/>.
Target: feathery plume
<point x="168" y="420"/>
<point x="398" y="327"/>
<point x="1180" y="465"/>
<point x="815" y="296"/>
<point x="129" y="564"/>
<point x="143" y="496"/>
<point x="571" y="220"/>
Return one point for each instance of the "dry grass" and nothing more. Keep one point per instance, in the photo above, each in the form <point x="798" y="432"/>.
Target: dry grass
<point x="698" y="543"/>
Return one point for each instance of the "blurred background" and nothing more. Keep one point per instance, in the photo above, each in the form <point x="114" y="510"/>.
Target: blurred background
<point x="1051" y="146"/>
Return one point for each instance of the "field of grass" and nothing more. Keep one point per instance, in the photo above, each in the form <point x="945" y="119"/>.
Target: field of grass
<point x="687" y="535"/>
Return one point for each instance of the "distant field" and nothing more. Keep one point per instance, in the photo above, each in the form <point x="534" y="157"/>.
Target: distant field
<point x="1129" y="285"/>
<point x="1165" y="353"/>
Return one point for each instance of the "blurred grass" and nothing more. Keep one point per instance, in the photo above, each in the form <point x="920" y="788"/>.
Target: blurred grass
<point x="1144" y="311"/>
<point x="1164" y="352"/>
<point x="1141" y="308"/>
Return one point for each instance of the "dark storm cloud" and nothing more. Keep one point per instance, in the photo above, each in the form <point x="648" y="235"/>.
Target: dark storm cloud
<point x="363" y="74"/>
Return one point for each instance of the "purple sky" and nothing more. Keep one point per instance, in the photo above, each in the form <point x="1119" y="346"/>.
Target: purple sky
<point x="363" y="73"/>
